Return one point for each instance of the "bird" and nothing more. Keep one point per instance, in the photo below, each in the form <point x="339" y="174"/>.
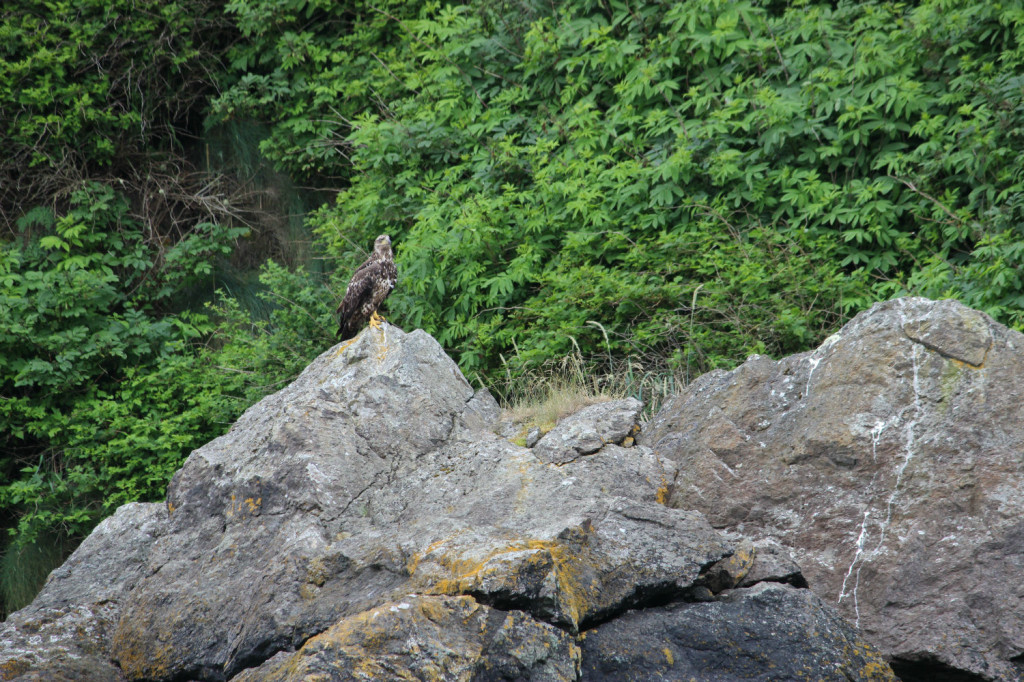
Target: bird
<point x="370" y="285"/>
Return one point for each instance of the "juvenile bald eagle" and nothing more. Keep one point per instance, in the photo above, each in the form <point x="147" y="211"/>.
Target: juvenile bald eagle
<point x="370" y="285"/>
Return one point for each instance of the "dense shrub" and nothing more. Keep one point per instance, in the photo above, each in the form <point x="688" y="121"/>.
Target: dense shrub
<point x="692" y="181"/>
<point x="104" y="394"/>
<point x="106" y="225"/>
<point x="100" y="399"/>
<point x="109" y="91"/>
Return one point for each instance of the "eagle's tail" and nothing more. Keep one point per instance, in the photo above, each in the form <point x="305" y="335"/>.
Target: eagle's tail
<point x="346" y="331"/>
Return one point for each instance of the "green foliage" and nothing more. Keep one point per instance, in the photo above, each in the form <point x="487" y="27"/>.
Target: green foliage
<point x="23" y="570"/>
<point x="105" y="91"/>
<point x="665" y="187"/>
<point x="107" y="234"/>
<point x="104" y="229"/>
<point x="100" y="399"/>
<point x="549" y="169"/>
<point x="310" y="66"/>
<point x="258" y="356"/>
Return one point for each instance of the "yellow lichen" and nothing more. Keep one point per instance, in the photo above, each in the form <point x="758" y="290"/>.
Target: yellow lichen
<point x="377" y="322"/>
<point x="141" y="660"/>
<point x="526" y="469"/>
<point x="465" y="572"/>
<point x="668" y="656"/>
<point x="877" y="670"/>
<point x="12" y="668"/>
<point x="415" y="559"/>
<point x="739" y="564"/>
<point x="317" y="571"/>
<point x="663" y="493"/>
<point x="249" y="504"/>
<point x="344" y="346"/>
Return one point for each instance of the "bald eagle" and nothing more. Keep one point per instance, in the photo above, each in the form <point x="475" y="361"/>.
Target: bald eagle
<point x="370" y="285"/>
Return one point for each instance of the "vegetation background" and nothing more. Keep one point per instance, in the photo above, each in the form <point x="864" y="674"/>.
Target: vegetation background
<point x="641" y="191"/>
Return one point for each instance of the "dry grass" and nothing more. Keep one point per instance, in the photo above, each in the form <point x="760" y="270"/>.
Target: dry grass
<point x="553" y="399"/>
<point x="564" y="386"/>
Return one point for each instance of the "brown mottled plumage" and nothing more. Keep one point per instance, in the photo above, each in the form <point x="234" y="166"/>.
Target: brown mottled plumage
<point x="370" y="285"/>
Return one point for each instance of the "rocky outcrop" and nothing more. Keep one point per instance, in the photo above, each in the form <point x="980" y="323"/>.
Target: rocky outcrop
<point x="367" y="522"/>
<point x="589" y="430"/>
<point x="726" y="640"/>
<point x="429" y="638"/>
<point x="889" y="461"/>
<point x="65" y="633"/>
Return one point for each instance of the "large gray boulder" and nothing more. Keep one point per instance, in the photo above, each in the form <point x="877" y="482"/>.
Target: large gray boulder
<point x="889" y="460"/>
<point x="367" y="521"/>
<point x="65" y="633"/>
<point x="429" y="638"/>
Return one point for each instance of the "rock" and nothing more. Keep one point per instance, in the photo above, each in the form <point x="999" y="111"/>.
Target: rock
<point x="482" y="412"/>
<point x="65" y="632"/>
<point x="429" y="638"/>
<point x="258" y="511"/>
<point x="366" y="521"/>
<point x="609" y="556"/>
<point x="772" y="563"/>
<point x="888" y="461"/>
<point x="954" y="331"/>
<point x="731" y="571"/>
<point x="767" y="632"/>
<point x="589" y="430"/>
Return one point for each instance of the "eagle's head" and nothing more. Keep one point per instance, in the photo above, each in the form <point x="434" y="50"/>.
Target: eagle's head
<point x="382" y="247"/>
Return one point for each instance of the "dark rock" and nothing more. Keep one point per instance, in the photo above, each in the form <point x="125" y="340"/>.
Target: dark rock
<point x="767" y="632"/>
<point x="729" y="572"/>
<point x="772" y="563"/>
<point x="889" y="461"/>
<point x="65" y="632"/>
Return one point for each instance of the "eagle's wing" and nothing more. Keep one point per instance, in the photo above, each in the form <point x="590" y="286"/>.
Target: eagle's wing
<point x="358" y="294"/>
<point x="359" y="286"/>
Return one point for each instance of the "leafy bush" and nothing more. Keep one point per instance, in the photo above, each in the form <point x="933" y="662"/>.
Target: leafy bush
<point x="109" y="92"/>
<point x="699" y="180"/>
<point x="101" y="399"/>
<point x="258" y="356"/>
<point x="107" y="233"/>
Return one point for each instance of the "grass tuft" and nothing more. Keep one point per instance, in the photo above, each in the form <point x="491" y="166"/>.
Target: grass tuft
<point x="541" y="397"/>
<point x="23" y="570"/>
